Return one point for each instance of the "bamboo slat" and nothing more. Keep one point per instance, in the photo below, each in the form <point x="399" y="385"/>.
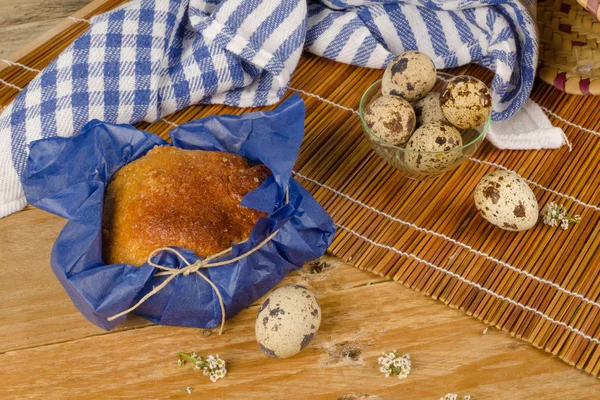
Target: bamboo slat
<point x="335" y="154"/>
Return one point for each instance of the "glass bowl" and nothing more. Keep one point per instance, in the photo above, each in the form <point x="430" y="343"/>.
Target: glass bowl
<point x="403" y="159"/>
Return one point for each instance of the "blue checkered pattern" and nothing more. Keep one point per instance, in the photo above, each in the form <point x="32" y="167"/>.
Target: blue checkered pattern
<point x="150" y="58"/>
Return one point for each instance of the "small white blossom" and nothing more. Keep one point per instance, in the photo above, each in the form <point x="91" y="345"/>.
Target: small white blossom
<point x="395" y="363"/>
<point x="554" y="214"/>
<point x="454" y="396"/>
<point x="213" y="366"/>
<point x="449" y="396"/>
<point x="180" y="362"/>
<point x="189" y="390"/>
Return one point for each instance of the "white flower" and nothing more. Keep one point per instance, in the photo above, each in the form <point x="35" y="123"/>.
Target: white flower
<point x="395" y="363"/>
<point x="449" y="396"/>
<point x="189" y="390"/>
<point x="213" y="366"/>
<point x="180" y="362"/>
<point x="554" y="214"/>
<point x="467" y="397"/>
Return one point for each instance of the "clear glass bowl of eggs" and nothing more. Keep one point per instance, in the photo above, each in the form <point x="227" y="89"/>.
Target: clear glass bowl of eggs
<point x="424" y="122"/>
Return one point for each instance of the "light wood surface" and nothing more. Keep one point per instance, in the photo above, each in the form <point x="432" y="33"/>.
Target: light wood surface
<point x="48" y="350"/>
<point x="25" y="20"/>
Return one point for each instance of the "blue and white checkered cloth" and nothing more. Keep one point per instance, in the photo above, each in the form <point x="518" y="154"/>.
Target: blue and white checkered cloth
<point x="150" y="58"/>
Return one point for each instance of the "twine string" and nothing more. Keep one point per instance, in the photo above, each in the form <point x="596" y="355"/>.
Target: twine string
<point x="195" y="267"/>
<point x="17" y="64"/>
<point x="75" y="19"/>
<point x="474" y="284"/>
<point x="191" y="268"/>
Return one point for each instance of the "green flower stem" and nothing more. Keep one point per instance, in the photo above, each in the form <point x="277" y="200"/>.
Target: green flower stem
<point x="186" y="355"/>
<point x="573" y="220"/>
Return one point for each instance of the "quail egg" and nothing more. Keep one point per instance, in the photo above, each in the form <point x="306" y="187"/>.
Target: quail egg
<point x="466" y="102"/>
<point x="428" y="149"/>
<point x="287" y="321"/>
<point x="410" y="75"/>
<point x="391" y="118"/>
<point x="506" y="200"/>
<point x="428" y="109"/>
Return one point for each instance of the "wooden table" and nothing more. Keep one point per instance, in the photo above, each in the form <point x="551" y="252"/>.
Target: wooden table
<point x="48" y="350"/>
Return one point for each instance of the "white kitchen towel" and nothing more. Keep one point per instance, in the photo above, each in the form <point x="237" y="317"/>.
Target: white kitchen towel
<point x="150" y="58"/>
<point x="528" y="129"/>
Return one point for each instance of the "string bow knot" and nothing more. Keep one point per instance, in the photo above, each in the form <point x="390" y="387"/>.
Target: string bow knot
<point x="195" y="267"/>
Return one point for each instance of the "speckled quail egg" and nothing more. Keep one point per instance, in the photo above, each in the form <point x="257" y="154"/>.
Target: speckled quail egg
<point x="391" y="118"/>
<point x="410" y="75"/>
<point x="428" y="148"/>
<point x="506" y="200"/>
<point x="428" y="109"/>
<point x="287" y="321"/>
<point x="466" y="102"/>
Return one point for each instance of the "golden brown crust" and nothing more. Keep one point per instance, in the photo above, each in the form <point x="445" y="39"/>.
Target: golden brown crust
<point x="175" y="197"/>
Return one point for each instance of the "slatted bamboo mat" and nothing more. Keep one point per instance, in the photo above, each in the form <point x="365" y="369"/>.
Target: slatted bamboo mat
<point x="542" y="285"/>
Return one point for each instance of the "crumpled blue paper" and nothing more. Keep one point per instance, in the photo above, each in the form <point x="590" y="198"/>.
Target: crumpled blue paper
<point x="68" y="177"/>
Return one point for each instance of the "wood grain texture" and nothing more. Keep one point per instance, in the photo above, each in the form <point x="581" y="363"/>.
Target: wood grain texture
<point x="41" y="348"/>
<point x="50" y="351"/>
<point x="23" y="21"/>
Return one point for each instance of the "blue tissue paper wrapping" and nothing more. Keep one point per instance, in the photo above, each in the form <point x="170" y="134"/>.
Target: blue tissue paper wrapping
<point x="68" y="177"/>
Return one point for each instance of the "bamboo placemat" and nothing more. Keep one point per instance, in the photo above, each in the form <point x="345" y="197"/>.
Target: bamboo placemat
<point x="541" y="285"/>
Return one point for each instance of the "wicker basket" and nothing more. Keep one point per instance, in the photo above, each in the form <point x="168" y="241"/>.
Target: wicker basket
<point x="592" y="6"/>
<point x="570" y="45"/>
